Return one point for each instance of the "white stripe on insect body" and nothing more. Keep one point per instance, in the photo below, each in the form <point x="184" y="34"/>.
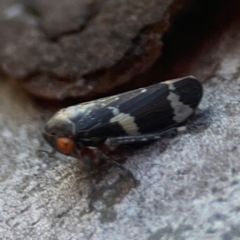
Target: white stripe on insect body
<point x="127" y="122"/>
<point x="181" y="111"/>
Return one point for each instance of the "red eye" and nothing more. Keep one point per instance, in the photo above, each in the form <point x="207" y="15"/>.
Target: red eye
<point x="65" y="145"/>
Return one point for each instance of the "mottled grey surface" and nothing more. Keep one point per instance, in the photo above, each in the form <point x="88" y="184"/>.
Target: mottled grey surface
<point x="189" y="185"/>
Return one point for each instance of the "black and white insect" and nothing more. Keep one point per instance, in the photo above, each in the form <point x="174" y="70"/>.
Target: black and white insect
<point x="140" y="115"/>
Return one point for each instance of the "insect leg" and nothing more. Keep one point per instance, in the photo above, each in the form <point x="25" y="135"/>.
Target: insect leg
<point x="116" y="164"/>
<point x="113" y="143"/>
<point x="50" y="154"/>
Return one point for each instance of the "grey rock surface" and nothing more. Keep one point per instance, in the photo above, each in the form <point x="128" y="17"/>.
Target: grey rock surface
<point x="189" y="185"/>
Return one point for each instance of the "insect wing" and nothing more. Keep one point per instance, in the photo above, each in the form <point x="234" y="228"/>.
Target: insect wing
<point x="140" y="111"/>
<point x="104" y="118"/>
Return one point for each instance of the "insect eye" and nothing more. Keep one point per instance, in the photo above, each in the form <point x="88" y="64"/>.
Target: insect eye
<point x="65" y="145"/>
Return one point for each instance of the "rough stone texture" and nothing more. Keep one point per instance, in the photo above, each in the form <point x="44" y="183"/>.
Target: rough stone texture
<point x="189" y="185"/>
<point x="56" y="52"/>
